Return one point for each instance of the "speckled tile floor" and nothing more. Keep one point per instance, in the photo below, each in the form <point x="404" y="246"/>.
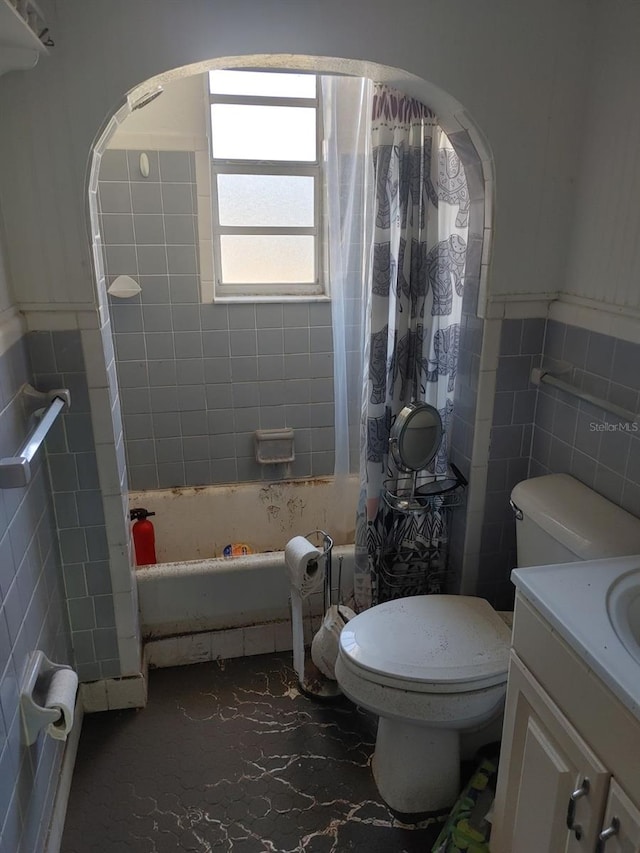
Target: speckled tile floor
<point x="229" y="756"/>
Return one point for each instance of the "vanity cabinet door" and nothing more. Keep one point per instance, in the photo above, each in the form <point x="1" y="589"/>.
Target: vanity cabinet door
<point x="621" y="825"/>
<point x="544" y="762"/>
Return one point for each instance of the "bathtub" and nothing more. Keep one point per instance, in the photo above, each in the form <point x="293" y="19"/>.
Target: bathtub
<point x="198" y="605"/>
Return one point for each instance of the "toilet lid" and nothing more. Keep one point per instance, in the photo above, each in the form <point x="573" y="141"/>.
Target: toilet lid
<point x="442" y="639"/>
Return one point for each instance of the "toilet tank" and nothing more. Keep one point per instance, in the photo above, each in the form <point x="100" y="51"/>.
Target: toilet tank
<point x="564" y="521"/>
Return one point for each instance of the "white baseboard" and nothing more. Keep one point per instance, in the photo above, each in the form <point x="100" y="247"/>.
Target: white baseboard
<point x="56" y="824"/>
<point x="114" y="694"/>
<point x="201" y="647"/>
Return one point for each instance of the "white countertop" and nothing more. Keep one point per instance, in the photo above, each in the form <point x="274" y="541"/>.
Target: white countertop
<point x="572" y="597"/>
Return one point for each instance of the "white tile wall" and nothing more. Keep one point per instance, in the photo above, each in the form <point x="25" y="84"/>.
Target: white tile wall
<point x="259" y="639"/>
<point x="126" y="692"/>
<point x="229" y="643"/>
<point x="194" y="648"/>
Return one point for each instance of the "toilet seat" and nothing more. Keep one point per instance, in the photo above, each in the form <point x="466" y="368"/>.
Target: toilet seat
<point x="428" y="644"/>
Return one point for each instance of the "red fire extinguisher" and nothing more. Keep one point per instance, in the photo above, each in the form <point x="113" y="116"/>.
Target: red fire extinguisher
<point x="144" y="537"/>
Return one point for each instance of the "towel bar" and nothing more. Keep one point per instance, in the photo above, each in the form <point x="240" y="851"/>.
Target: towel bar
<point x="539" y="376"/>
<point x="15" y="471"/>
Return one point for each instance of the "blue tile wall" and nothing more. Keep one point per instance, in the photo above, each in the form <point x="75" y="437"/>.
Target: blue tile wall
<point x="574" y="437"/>
<point x="58" y="362"/>
<point x="197" y="379"/>
<point x="33" y="615"/>
<point x="521" y="345"/>
<point x="540" y="430"/>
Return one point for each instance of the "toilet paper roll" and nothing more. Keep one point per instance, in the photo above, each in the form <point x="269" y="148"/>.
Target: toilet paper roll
<point x="61" y="696"/>
<point x="303" y="563"/>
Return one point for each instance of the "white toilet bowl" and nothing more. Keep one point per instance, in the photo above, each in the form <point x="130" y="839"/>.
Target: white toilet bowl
<point x="431" y="667"/>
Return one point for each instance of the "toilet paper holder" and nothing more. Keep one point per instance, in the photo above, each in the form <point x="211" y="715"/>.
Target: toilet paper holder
<point x="33" y="692"/>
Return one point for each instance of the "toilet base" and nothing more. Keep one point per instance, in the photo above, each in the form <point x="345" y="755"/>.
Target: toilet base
<point x="416" y="768"/>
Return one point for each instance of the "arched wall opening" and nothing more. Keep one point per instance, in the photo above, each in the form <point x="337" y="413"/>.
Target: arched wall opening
<point x="475" y="155"/>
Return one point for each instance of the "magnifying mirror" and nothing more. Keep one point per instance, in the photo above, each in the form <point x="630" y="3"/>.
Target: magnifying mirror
<point x="415" y="436"/>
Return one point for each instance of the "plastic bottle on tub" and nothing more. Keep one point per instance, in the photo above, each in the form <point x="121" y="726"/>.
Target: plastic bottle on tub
<point x="238" y="549"/>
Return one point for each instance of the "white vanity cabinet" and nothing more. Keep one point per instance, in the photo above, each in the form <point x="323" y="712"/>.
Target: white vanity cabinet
<point x="547" y="762"/>
<point x="621" y="822"/>
<point x="570" y="753"/>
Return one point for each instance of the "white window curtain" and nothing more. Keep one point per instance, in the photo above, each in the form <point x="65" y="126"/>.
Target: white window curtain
<point x="347" y="103"/>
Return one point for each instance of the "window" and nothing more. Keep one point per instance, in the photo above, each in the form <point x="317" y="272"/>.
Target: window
<point x="265" y="183"/>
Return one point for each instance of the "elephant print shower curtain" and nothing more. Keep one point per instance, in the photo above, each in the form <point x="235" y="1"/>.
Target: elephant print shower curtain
<point x="411" y="345"/>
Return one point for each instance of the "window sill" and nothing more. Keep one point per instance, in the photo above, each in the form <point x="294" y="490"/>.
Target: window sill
<point x="272" y="297"/>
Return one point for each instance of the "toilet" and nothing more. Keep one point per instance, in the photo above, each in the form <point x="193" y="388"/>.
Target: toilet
<point x="434" y="667"/>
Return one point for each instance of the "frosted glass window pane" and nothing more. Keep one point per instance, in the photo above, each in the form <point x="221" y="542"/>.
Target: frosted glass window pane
<point x="249" y="132"/>
<point x="267" y="259"/>
<point x="280" y="201"/>
<point x="263" y="84"/>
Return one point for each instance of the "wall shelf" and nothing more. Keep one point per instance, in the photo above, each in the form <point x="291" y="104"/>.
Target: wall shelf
<point x="20" y="45"/>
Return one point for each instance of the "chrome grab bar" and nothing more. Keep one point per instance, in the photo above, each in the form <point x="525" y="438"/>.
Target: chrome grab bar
<point x="15" y="471"/>
<point x="540" y="376"/>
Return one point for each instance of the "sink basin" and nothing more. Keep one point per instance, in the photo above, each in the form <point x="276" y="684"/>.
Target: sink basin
<point x="623" y="607"/>
<point x="595" y="607"/>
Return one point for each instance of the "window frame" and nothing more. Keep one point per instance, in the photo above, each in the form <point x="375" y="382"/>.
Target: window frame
<point x="268" y="291"/>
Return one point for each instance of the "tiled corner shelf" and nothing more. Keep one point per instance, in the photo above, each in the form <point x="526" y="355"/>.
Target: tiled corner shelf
<point x="20" y="46"/>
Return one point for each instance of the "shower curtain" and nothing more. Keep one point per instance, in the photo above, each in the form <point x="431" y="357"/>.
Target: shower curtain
<point x="412" y="325"/>
<point x="397" y="211"/>
<point x="347" y="103"/>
